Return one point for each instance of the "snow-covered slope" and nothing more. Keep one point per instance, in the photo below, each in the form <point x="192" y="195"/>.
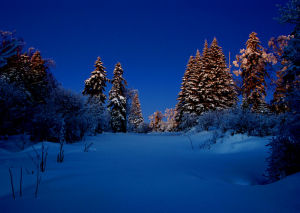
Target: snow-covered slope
<point x="150" y="173"/>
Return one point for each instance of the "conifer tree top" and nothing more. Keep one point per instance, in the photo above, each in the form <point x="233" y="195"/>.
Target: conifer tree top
<point x="118" y="80"/>
<point x="214" y="42"/>
<point x="189" y="68"/>
<point x="198" y="55"/>
<point x="36" y="55"/>
<point x="37" y="58"/>
<point x="253" y="42"/>
<point x="95" y="85"/>
<point x="191" y="59"/>
<point x="205" y="49"/>
<point x="118" y="71"/>
<point x="117" y="97"/>
<point x="99" y="65"/>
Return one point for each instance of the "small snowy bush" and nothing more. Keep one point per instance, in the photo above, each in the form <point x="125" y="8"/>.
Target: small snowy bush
<point x="210" y="120"/>
<point x="239" y="121"/>
<point x="78" y="117"/>
<point x="78" y="120"/>
<point x="188" y="121"/>
<point x="14" y="108"/>
<point x="46" y="123"/>
<point x="144" y="128"/>
<point x="284" y="159"/>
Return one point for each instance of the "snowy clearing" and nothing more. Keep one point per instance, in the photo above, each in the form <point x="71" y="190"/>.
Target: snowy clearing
<point x="149" y="173"/>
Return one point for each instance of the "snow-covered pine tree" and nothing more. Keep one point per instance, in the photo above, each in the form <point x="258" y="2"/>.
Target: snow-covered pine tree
<point x="291" y="78"/>
<point x="192" y="86"/>
<point x="219" y="87"/>
<point x="198" y="61"/>
<point x="156" y="122"/>
<point x="183" y="94"/>
<point x="170" y="124"/>
<point x="117" y="100"/>
<point x="253" y="72"/>
<point x="202" y="104"/>
<point x="94" y="88"/>
<point x="15" y="69"/>
<point x="279" y="103"/>
<point x="216" y="87"/>
<point x="129" y="94"/>
<point x="30" y="72"/>
<point x="207" y="83"/>
<point x="135" y="117"/>
<point x="198" y="75"/>
<point x="95" y="85"/>
<point x="36" y="79"/>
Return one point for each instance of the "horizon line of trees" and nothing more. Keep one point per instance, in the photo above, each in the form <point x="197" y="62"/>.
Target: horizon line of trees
<point x="207" y="84"/>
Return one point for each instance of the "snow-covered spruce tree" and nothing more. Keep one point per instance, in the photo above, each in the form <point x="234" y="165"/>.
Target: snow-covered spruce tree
<point x="188" y="96"/>
<point x="170" y="124"/>
<point x="181" y="106"/>
<point x="198" y="74"/>
<point x="95" y="85"/>
<point x="291" y="78"/>
<point x="201" y="105"/>
<point x="279" y="103"/>
<point x="15" y="69"/>
<point x="192" y="87"/>
<point x="94" y="88"/>
<point x="129" y="94"/>
<point x="117" y="101"/>
<point x="135" y="117"/>
<point x="216" y="86"/>
<point x="252" y="62"/>
<point x="29" y="71"/>
<point x="37" y="77"/>
<point x="156" y="122"/>
<point x="207" y="84"/>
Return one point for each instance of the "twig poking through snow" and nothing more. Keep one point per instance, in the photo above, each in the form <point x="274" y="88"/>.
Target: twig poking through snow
<point x="60" y="155"/>
<point x="44" y="158"/>
<point x="40" y="163"/>
<point x="12" y="184"/>
<point x="38" y="180"/>
<point x="21" y="180"/>
<point x="87" y="146"/>
<point x="190" y="141"/>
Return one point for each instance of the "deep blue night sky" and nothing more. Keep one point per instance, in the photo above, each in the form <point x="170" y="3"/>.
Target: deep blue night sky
<point x="152" y="39"/>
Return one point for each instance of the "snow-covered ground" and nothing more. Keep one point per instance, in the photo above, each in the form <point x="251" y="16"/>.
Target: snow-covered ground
<point x="149" y="173"/>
